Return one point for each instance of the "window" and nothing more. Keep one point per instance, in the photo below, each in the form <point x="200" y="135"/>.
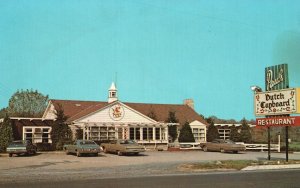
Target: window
<point x="131" y="133"/>
<point x="157" y="133"/>
<point x="28" y="136"/>
<point x="137" y="134"/>
<point x="120" y="133"/>
<point x="145" y="134"/>
<point x="37" y="130"/>
<point x="150" y="133"/>
<point x="224" y="133"/>
<point x="45" y="138"/>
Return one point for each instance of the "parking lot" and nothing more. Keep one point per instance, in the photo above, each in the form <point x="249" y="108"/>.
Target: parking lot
<point x="59" y="166"/>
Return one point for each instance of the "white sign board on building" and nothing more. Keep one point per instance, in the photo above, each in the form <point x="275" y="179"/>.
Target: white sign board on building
<point x="277" y="102"/>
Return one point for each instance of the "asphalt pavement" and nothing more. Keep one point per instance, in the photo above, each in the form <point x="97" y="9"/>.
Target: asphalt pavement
<point x="253" y="179"/>
<point x="59" y="167"/>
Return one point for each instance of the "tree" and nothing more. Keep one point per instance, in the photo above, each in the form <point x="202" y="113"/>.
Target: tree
<point x="172" y="129"/>
<point x="234" y="134"/>
<point x="245" y="132"/>
<point x="61" y="132"/>
<point x="27" y="103"/>
<point x="186" y="134"/>
<point x="79" y="134"/>
<point x="3" y="112"/>
<point x="6" y="133"/>
<point x="211" y="119"/>
<point x="212" y="132"/>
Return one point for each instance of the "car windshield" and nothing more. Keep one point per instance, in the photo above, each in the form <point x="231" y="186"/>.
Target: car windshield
<point x="87" y="143"/>
<point x="229" y="142"/>
<point x="127" y="142"/>
<point x="18" y="143"/>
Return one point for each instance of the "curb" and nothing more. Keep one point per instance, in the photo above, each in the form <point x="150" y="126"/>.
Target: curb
<point x="271" y="167"/>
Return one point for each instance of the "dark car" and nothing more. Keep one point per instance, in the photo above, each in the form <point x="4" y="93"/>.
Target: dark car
<point x="21" y="147"/>
<point x="222" y="146"/>
<point x="80" y="147"/>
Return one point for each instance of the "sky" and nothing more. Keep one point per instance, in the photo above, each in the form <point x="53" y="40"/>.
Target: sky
<point x="158" y="51"/>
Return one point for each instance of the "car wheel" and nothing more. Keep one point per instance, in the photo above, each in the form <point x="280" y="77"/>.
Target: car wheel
<point x="78" y="154"/>
<point x="204" y="148"/>
<point x="10" y="155"/>
<point x="235" y="151"/>
<point x="67" y="152"/>
<point x="119" y="153"/>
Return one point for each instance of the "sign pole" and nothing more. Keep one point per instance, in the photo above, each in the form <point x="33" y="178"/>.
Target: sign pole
<point x="269" y="145"/>
<point x="277" y="78"/>
<point x="287" y="143"/>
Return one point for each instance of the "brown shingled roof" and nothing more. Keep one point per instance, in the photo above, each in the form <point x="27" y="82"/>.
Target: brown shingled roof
<point x="182" y="112"/>
<point x="77" y="109"/>
<point x="72" y="107"/>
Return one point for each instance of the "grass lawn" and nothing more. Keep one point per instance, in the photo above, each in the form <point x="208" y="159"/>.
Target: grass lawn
<point x="232" y="164"/>
<point x="294" y="146"/>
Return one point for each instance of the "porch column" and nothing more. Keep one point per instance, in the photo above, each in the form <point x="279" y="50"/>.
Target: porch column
<point x="87" y="132"/>
<point x="154" y="131"/>
<point x="123" y="133"/>
<point x="166" y="132"/>
<point x="134" y="135"/>
<point x="83" y="128"/>
<point x="160" y="134"/>
<point x="141" y="133"/>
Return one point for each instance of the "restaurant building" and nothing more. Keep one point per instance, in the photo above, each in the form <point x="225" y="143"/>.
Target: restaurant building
<point x="101" y="121"/>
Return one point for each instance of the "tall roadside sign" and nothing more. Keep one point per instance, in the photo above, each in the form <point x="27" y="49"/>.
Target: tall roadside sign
<point x="276" y="77"/>
<point x="277" y="102"/>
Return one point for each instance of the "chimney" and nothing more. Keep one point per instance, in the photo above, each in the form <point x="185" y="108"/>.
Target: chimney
<point x="189" y="102"/>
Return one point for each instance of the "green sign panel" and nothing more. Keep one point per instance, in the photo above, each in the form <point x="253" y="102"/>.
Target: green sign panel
<point x="277" y="77"/>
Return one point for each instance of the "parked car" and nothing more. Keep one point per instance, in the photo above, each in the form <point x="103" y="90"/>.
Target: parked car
<point x="20" y="147"/>
<point x="80" y="147"/>
<point x="222" y="146"/>
<point x="121" y="147"/>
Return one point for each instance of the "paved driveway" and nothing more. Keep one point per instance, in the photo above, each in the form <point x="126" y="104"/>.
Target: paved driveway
<point x="59" y="166"/>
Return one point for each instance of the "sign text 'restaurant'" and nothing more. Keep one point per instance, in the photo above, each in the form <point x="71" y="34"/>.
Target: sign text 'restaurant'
<point x="279" y="121"/>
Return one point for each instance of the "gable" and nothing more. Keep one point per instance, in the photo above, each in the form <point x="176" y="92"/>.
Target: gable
<point x="196" y="123"/>
<point x="50" y="111"/>
<point x="116" y="112"/>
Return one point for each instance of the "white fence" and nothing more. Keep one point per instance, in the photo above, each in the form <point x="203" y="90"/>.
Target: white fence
<point x="262" y="147"/>
<point x="190" y="146"/>
<point x="257" y="147"/>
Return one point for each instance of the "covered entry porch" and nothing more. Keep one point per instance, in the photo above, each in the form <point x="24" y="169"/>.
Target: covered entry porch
<point x="150" y="133"/>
